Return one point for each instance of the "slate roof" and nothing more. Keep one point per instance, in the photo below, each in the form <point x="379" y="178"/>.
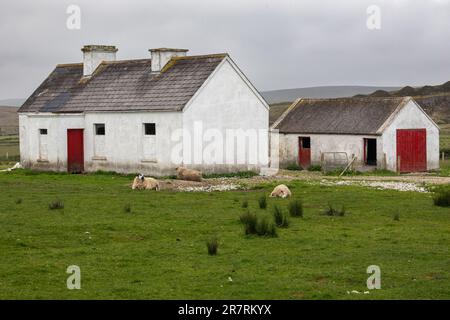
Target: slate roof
<point x="122" y="86"/>
<point x="338" y="116"/>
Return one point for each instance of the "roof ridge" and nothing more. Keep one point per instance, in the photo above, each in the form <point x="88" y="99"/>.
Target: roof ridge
<point x="75" y="64"/>
<point x="202" y="56"/>
<point x="125" y="61"/>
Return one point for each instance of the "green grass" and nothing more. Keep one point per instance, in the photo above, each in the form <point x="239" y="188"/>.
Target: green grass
<point x="444" y="137"/>
<point x="158" y="250"/>
<point x="9" y="148"/>
<point x="240" y="174"/>
<point x="444" y="168"/>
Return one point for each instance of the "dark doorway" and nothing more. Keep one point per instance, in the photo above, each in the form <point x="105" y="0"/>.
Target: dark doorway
<point x="370" y="152"/>
<point x="304" y="152"/>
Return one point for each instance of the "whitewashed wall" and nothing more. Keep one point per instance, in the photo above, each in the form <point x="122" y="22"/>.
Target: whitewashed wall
<point x="411" y="117"/>
<point x="227" y="102"/>
<point x="123" y="148"/>
<point x="56" y="126"/>
<point x="350" y="144"/>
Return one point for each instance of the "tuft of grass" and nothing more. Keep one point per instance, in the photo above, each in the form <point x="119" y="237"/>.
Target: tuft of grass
<point x="441" y="198"/>
<point x="245" y="203"/>
<point x="18" y="201"/>
<point x="281" y="219"/>
<point x="56" y="204"/>
<point x="330" y="211"/>
<point x="127" y="208"/>
<point x="262" y="201"/>
<point x="249" y="220"/>
<point x="396" y="216"/>
<point x="294" y="167"/>
<point x="315" y="168"/>
<point x="266" y="228"/>
<point x="212" y="246"/>
<point x="296" y="208"/>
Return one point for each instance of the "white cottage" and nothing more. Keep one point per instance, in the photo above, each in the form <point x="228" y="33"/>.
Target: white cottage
<point x="147" y="115"/>
<point x="385" y="133"/>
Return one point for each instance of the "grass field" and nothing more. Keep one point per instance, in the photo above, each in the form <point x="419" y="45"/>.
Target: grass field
<point x="445" y="138"/>
<point x="158" y="250"/>
<point x="9" y="148"/>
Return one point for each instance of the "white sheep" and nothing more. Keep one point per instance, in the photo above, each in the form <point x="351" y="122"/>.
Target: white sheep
<point x="281" y="191"/>
<point x="142" y="182"/>
<point x="188" y="174"/>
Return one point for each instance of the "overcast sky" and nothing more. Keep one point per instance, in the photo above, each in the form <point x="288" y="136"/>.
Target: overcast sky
<point x="277" y="43"/>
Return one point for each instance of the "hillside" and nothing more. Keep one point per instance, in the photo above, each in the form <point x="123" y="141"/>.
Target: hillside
<point x="435" y="100"/>
<point x="287" y="95"/>
<point x="9" y="120"/>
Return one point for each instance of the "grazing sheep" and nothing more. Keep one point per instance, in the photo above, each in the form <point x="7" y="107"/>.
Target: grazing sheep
<point x="188" y="174"/>
<point x="142" y="182"/>
<point x="281" y="191"/>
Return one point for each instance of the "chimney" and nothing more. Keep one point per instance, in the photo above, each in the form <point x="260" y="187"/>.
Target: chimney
<point x="93" y="55"/>
<point x="161" y="56"/>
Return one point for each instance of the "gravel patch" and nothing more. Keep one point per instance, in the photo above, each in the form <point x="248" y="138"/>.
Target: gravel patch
<point x="211" y="188"/>
<point x="380" y="185"/>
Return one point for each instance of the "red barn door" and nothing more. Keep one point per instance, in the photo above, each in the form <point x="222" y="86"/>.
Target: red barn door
<point x="75" y="150"/>
<point x="412" y="150"/>
<point x="304" y="152"/>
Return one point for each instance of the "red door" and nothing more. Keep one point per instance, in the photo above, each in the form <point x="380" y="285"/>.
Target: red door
<point x="75" y="150"/>
<point x="412" y="150"/>
<point x="304" y="152"/>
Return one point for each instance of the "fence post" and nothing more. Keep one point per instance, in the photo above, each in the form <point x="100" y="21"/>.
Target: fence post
<point x="443" y="156"/>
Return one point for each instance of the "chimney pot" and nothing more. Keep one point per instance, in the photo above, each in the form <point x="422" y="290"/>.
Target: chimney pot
<point x="93" y="55"/>
<point x="160" y="57"/>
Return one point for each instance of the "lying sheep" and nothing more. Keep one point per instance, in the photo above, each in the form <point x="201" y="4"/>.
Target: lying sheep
<point x="188" y="174"/>
<point x="142" y="182"/>
<point x="281" y="191"/>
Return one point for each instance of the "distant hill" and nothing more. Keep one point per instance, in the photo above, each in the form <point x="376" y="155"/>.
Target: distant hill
<point x="289" y="95"/>
<point x="435" y="100"/>
<point x="9" y="120"/>
<point x="12" y="102"/>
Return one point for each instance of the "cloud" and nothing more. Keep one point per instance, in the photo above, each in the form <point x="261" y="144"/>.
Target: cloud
<point x="277" y="43"/>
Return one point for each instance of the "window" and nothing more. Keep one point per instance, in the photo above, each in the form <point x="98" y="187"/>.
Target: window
<point x="306" y="143"/>
<point x="99" y="129"/>
<point x="43" y="131"/>
<point x="150" y="129"/>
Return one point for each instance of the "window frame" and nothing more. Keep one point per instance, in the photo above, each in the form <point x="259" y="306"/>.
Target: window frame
<point x="98" y="126"/>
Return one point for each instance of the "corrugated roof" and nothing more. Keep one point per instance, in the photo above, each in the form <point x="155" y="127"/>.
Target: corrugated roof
<point x="338" y="116"/>
<point x="122" y="86"/>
